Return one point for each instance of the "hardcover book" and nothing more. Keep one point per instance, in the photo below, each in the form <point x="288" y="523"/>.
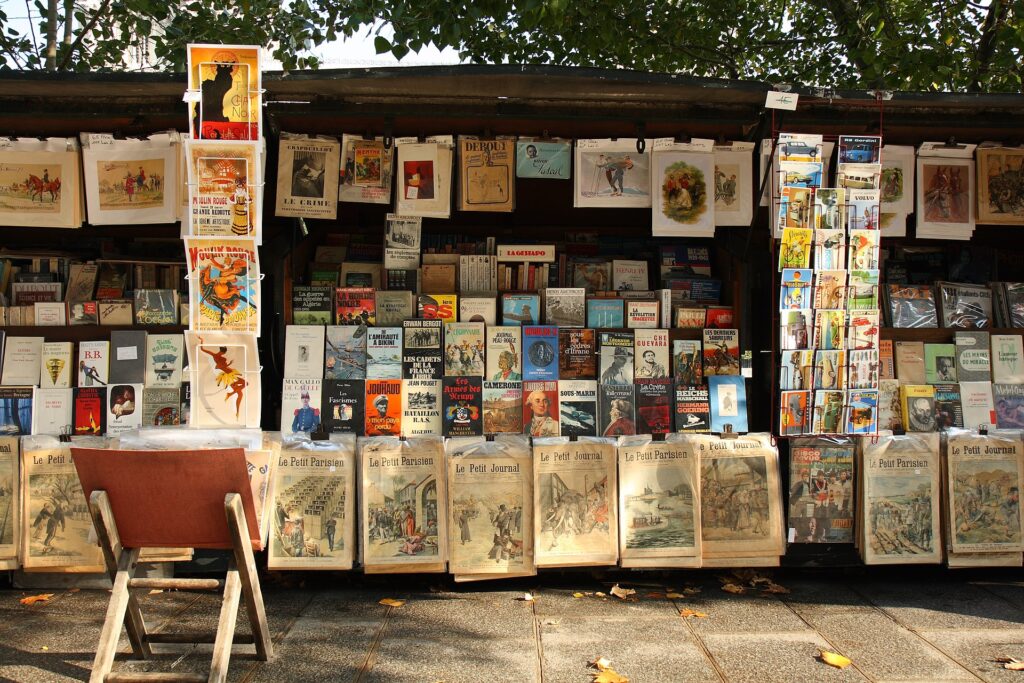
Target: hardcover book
<point x="443" y="307"/>
<point x="422" y="352"/>
<point x="421" y="407"/>
<point x="617" y="412"/>
<point x="341" y="406"/>
<point x="49" y="314"/>
<point x="164" y="354"/>
<point x="616" y="356"/>
<point x="629" y="275"/>
<point x="462" y="406"/>
<point x="56" y="365"/>
<point x="540" y="408"/>
<point x="127" y="357"/>
<point x="689" y="318"/>
<point x="383" y="408"/>
<point x="608" y="313"/>
<point x="393" y="307"/>
<point x="520" y="309"/>
<point x="652" y="359"/>
<point x="384" y="353"/>
<point x="312" y="305"/>
<point x="577" y="407"/>
<point x="577" y="354"/>
<point x="355" y="306"/>
<point x="503" y="407"/>
<point x="464" y="350"/>
<point x="345" y="352"/>
<point x="304" y="351"/>
<point x="540" y="352"/>
<point x="83" y="313"/>
<point x="300" y="405"/>
<point x="728" y="396"/>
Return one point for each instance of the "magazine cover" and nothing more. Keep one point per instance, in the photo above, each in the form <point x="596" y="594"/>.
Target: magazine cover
<point x="577" y="407"/>
<point x="224" y="284"/>
<point x="224" y="189"/>
<point x="345" y="352"/>
<point x="364" y="192"/>
<point x="503" y="407"/>
<point x="314" y="518"/>
<point x="821" y="492"/>
<point x="10" y="508"/>
<point x="611" y="174"/>
<point x="464" y="349"/>
<point x="404" y="504"/>
<point x="224" y="374"/>
<point x="307" y="177"/>
<point x="462" y="406"/>
<point x="421" y="407"/>
<point x="490" y="494"/>
<point x="227" y="82"/>
<point x="575" y="515"/>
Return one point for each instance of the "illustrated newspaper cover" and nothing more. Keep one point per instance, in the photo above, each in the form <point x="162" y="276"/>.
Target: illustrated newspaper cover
<point x="10" y="505"/>
<point x="821" y="491"/>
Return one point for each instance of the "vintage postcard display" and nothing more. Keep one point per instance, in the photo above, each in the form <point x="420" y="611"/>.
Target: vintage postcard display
<point x="10" y="504"/>
<point x="611" y="174"/>
<point x="404" y="503"/>
<point x="307" y="177"/>
<point x="575" y="504"/>
<point x="313" y="515"/>
<point x="681" y="203"/>
<point x="899" y="499"/>
<point x="224" y="375"/>
<point x="132" y="181"/>
<point x="40" y="183"/>
<point x="490" y="503"/>
<point x="224" y="284"/>
<point x="225" y="188"/>
<point x="224" y="95"/>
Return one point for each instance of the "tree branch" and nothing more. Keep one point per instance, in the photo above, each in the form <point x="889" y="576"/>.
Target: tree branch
<point x="100" y="11"/>
<point x="995" y="18"/>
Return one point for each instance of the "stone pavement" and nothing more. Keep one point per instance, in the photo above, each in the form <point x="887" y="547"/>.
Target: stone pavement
<point x="896" y="626"/>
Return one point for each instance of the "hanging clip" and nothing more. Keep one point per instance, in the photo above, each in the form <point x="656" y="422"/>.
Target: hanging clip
<point x="727" y="432"/>
<point x="320" y="434"/>
<point x="389" y="133"/>
<point x="982" y="430"/>
<point x="641" y="143"/>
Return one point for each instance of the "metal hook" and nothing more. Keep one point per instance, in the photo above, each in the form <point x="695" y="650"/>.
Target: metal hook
<point x="641" y="143"/>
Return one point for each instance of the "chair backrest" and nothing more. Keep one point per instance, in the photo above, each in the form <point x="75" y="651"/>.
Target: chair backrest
<point x="169" y="499"/>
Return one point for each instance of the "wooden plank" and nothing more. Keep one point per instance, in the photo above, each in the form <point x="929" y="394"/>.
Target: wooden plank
<point x="177" y="584"/>
<point x="246" y="564"/>
<point x="190" y="638"/>
<point x="158" y="677"/>
<point x="116" y="609"/>
<point x="226" y="627"/>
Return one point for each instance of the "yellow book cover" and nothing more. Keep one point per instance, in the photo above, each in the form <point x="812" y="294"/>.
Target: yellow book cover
<point x="918" y="403"/>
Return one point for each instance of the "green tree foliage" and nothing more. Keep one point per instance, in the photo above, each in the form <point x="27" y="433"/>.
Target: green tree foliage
<point x="959" y="45"/>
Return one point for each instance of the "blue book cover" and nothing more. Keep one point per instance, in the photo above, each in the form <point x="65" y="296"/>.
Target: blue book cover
<point x="520" y="309"/>
<point x="540" y="352"/>
<point x="728" y="394"/>
<point x="606" y="313"/>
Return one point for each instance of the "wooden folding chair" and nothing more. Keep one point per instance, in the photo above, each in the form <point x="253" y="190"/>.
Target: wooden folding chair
<point x="158" y="499"/>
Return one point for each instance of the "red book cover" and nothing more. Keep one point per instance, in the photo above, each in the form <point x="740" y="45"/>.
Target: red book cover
<point x="720" y="317"/>
<point x="89" y="414"/>
<point x="383" y="407"/>
<point x="355" y="306"/>
<point x="540" y="408"/>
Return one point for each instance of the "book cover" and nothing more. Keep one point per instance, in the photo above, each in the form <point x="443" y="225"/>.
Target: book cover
<point x="360" y="275"/>
<point x="797" y="370"/>
<point x="161" y="407"/>
<point x="324" y="275"/>
<point x="462" y="406"/>
<point x="795" y="289"/>
<point x="487" y="175"/>
<point x="92" y="363"/>
<point x="438" y="277"/>
<point x="911" y="306"/>
<point x="616" y="357"/>
<point x="112" y="280"/>
<point x="795" y="329"/>
<point x="51" y="413"/>
<point x="939" y="363"/>
<point x="526" y="253"/>
<point x="689" y="318"/>
<point x="407" y="280"/>
<point x="973" y="362"/>
<point x="56" y="365"/>
<point x="861" y="411"/>
<point x="890" y="412"/>
<point x="977" y="404"/>
<point x="345" y="352"/>
<point x="593" y="274"/>
<point x="89" y="412"/>
<point x="653" y="406"/>
<point x="830" y="329"/>
<point x="1009" y="404"/>
<point x="692" y="409"/>
<point x="629" y="275"/>
<point x="520" y="309"/>
<point x="478" y="309"/>
<point x="22" y="361"/>
<point x="862" y="332"/>
<point x="565" y="306"/>
<point x="652" y="358"/>
<point x="607" y="313"/>
<point x="312" y="305"/>
<point x="641" y="314"/>
<point x="719" y="316"/>
<point x="16" y="410"/>
<point x="393" y="307"/>
<point x="830" y="369"/>
<point x="341" y="406"/>
<point x="503" y="407"/>
<point x="421" y="407"/>
<point x="949" y="410"/>
<point x="115" y="312"/>
<point x="464" y="349"/>
<point x="540" y="352"/>
<point x="300" y="405"/>
<point x="127" y="357"/>
<point x="443" y="307"/>
<point x="124" y="408"/>
<point x="721" y="352"/>
<point x="540" y="408"/>
<point x="503" y="354"/>
<point x="156" y="307"/>
<point x="862" y="369"/>
<point x="910" y="362"/>
<point x="577" y="407"/>
<point x="830" y="289"/>
<point x="422" y="352"/>
<point x="965" y="306"/>
<point x="917" y="402"/>
<point x="687" y="365"/>
<point x="28" y="293"/>
<point x="1007" y="359"/>
<point x="617" y="410"/>
<point x="304" y="351"/>
<point x="821" y="497"/>
<point x="355" y="306"/>
<point x="794" y="413"/>
<point x="49" y="314"/>
<point x="728" y="396"/>
<point x="164" y="354"/>
<point x="81" y="281"/>
<point x="384" y="353"/>
<point x="383" y="408"/>
<point x="83" y="313"/>
<point x="828" y="412"/>
<point x="886" y="362"/>
<point x="577" y="354"/>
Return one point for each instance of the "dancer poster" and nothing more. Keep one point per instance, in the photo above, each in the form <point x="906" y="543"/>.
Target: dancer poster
<point x="224" y="372"/>
<point x="224" y="284"/>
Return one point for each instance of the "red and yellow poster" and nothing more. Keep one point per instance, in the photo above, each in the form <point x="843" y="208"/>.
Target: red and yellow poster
<point x="224" y="92"/>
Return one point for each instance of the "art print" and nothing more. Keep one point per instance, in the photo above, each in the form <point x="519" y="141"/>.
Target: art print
<point x="131" y="181"/>
<point x="225" y="188"/>
<point x="224" y="375"/>
<point x="224" y="284"/>
<point x="682" y="180"/>
<point x="1001" y="186"/>
<point x="734" y="183"/>
<point x="39" y="183"/>
<point x="225" y="92"/>
<point x="611" y="174"/>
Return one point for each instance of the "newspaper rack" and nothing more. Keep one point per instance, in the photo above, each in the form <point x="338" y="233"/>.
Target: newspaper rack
<point x="197" y="499"/>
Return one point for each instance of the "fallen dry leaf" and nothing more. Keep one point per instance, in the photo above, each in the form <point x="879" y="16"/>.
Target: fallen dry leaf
<point x="45" y="647"/>
<point x="74" y="590"/>
<point x="834" y="659"/>
<point x="33" y="599"/>
<point x="692" y="613"/>
<point x="155" y="591"/>
<point x="609" y="676"/>
<point x="733" y="588"/>
<point x="526" y="597"/>
<point x="599" y="594"/>
<point x="391" y="602"/>
<point x="1011" y="663"/>
<point x="655" y="596"/>
<point x="674" y="596"/>
<point x="773" y="587"/>
<point x="577" y="595"/>
<point x="600" y="663"/>
<point x="621" y="593"/>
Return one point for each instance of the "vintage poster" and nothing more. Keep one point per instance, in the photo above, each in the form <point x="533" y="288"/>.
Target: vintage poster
<point x="364" y="191"/>
<point x="821" y="491"/>
<point x="224" y="92"/>
<point x="945" y="191"/>
<point x="611" y="174"/>
<point x="681" y="182"/>
<point x="897" y="182"/>
<point x="224" y="375"/>
<point x="307" y="177"/>
<point x="225" y="188"/>
<point x="490" y="494"/>
<point x="57" y="531"/>
<point x="367" y="160"/>
<point x="132" y="181"/>
<point x="659" y="504"/>
<point x="740" y="497"/>
<point x="314" y="518"/>
<point x="575" y="520"/>
<point x="734" y="192"/>
<point x="10" y="503"/>
<point x="900" y="500"/>
<point x="1000" y="189"/>
<point x="486" y="175"/>
<point x="985" y="477"/>
<point x="544" y="159"/>
<point x="224" y="284"/>
<point x="39" y="183"/>
<point x="404" y="504"/>
<point x="424" y="179"/>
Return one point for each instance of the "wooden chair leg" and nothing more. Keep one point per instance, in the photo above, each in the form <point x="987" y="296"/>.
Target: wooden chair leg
<point x="110" y="542"/>
<point x="246" y="564"/>
<point x="116" y="609"/>
<point x="226" y="626"/>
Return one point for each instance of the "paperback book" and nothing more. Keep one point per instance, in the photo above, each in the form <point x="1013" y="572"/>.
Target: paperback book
<point x="577" y="354"/>
<point x="164" y="354"/>
<point x="300" y="405"/>
<point x="728" y="396"/>
<point x="421" y="407"/>
<point x="540" y="408"/>
<point x="540" y="352"/>
<point x="503" y="407"/>
<point x="692" y="409"/>
<point x="464" y="350"/>
<point x="949" y="411"/>
<point x="687" y="364"/>
<point x="422" y="351"/>
<point x="342" y="402"/>
<point x="973" y="362"/>
<point x="462" y="406"/>
<point x="384" y="353"/>
<point x="504" y="354"/>
<point x="577" y="407"/>
<point x="654" y="406"/>
<point x="652" y="359"/>
<point x="616" y="357"/>
<point x="345" y="352"/>
<point x="721" y="352"/>
<point x="383" y="407"/>
<point x="617" y="411"/>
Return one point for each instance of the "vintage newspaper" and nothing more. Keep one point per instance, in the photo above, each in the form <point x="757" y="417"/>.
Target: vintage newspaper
<point x="225" y="188"/>
<point x="307" y="177"/>
<point x="313" y="512"/>
<point x="740" y="498"/>
<point x="574" y="515"/>
<point x="490" y="494"/>
<point x="223" y="284"/>
<point x="224" y="375"/>
<point x="365" y="191"/>
<point x="900" y="499"/>
<point x="57" y="530"/>
<point x="985" y="474"/>
<point x="403" y="501"/>
<point x="822" y="504"/>
<point x="659" y="507"/>
<point x="10" y="499"/>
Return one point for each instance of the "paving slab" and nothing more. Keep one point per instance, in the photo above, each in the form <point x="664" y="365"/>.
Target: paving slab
<point x="560" y="602"/>
<point x="943" y="604"/>
<point x="667" y="650"/>
<point x="774" y="658"/>
<point x="317" y="649"/>
<point x="753" y="612"/>
<point x="1011" y="592"/>
<point x="978" y="650"/>
<point x="39" y="647"/>
<point x="823" y="597"/>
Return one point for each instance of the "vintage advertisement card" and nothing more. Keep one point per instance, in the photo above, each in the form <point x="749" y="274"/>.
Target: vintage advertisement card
<point x="224" y="372"/>
<point x="128" y="182"/>
<point x="224" y="92"/>
<point x="487" y="175"/>
<point x="226" y="188"/>
<point x="1000" y="190"/>
<point x="682" y="182"/>
<point x="224" y="284"/>
<point x="734" y="191"/>
<point x="545" y="159"/>
<point x="307" y="177"/>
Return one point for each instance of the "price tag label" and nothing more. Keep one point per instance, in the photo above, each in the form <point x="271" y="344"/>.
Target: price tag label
<point x="192" y="96"/>
<point x="100" y="139"/>
<point x="127" y="353"/>
<point x="781" y="100"/>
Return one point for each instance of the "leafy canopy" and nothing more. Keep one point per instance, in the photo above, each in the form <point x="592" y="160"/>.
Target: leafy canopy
<point x="893" y="44"/>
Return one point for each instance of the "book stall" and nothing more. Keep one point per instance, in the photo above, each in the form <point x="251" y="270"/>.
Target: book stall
<point x="460" y="343"/>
